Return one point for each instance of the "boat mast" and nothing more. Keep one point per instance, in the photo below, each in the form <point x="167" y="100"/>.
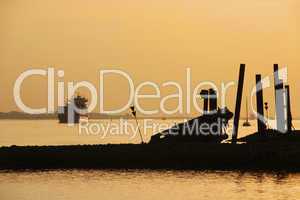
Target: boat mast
<point x="247" y="115"/>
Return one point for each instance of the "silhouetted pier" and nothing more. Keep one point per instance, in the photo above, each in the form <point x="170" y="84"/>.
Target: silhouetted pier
<point x="259" y="156"/>
<point x="271" y="149"/>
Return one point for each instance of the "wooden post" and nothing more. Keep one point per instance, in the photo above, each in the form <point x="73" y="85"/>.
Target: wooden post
<point x="213" y="101"/>
<point x="204" y="95"/>
<point x="288" y="109"/>
<point x="279" y="101"/>
<point x="238" y="103"/>
<point x="261" y="125"/>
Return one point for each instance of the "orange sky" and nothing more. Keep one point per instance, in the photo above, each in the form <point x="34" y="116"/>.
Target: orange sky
<point x="151" y="40"/>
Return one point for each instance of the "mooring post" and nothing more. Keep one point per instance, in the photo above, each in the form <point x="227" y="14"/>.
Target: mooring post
<point x="204" y="95"/>
<point x="261" y="125"/>
<point x="279" y="101"/>
<point x="238" y="103"/>
<point x="288" y="108"/>
<point x="213" y="101"/>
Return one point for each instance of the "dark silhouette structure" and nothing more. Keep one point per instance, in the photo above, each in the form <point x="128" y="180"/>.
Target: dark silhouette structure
<point x="238" y="103"/>
<point x="256" y="156"/>
<point x="68" y="113"/>
<point x="133" y="112"/>
<point x="210" y="127"/>
<point x="283" y="135"/>
<point x="205" y="97"/>
<point x="247" y="123"/>
<point x="288" y="109"/>
<point x="279" y="100"/>
<point x="213" y="100"/>
<point x="260" y="105"/>
<point x="180" y="147"/>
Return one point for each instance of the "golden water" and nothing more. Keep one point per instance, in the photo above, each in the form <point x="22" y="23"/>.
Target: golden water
<point x="143" y="184"/>
<point x="50" y="132"/>
<point x="132" y="184"/>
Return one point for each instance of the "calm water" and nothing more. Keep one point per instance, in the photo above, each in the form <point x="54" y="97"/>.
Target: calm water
<point x="90" y="185"/>
<point x="140" y="184"/>
<point x="49" y="132"/>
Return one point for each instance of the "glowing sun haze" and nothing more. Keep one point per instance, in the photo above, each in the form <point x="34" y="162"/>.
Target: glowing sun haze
<point x="152" y="40"/>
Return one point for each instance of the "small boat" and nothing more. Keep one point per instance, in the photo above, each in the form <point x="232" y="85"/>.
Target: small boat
<point x="69" y="108"/>
<point x="247" y="123"/>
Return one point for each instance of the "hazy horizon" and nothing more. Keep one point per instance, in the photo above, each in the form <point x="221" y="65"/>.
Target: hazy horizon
<point x="151" y="40"/>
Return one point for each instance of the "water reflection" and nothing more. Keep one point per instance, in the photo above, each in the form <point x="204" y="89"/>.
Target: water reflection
<point x="148" y="184"/>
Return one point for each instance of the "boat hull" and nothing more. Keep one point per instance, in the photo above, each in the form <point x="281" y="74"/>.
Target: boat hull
<point x="63" y="117"/>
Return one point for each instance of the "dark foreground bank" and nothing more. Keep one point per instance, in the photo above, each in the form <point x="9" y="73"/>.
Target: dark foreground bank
<point x="261" y="156"/>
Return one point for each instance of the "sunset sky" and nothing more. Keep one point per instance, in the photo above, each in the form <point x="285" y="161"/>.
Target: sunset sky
<point x="152" y="40"/>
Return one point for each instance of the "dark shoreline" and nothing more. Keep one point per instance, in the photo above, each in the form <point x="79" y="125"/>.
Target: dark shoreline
<point x="187" y="156"/>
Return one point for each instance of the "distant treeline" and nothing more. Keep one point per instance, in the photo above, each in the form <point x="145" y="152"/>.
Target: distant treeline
<point x="21" y="115"/>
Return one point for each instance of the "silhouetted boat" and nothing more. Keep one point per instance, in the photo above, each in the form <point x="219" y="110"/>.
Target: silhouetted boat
<point x="70" y="108"/>
<point x="194" y="130"/>
<point x="210" y="127"/>
<point x="247" y="123"/>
